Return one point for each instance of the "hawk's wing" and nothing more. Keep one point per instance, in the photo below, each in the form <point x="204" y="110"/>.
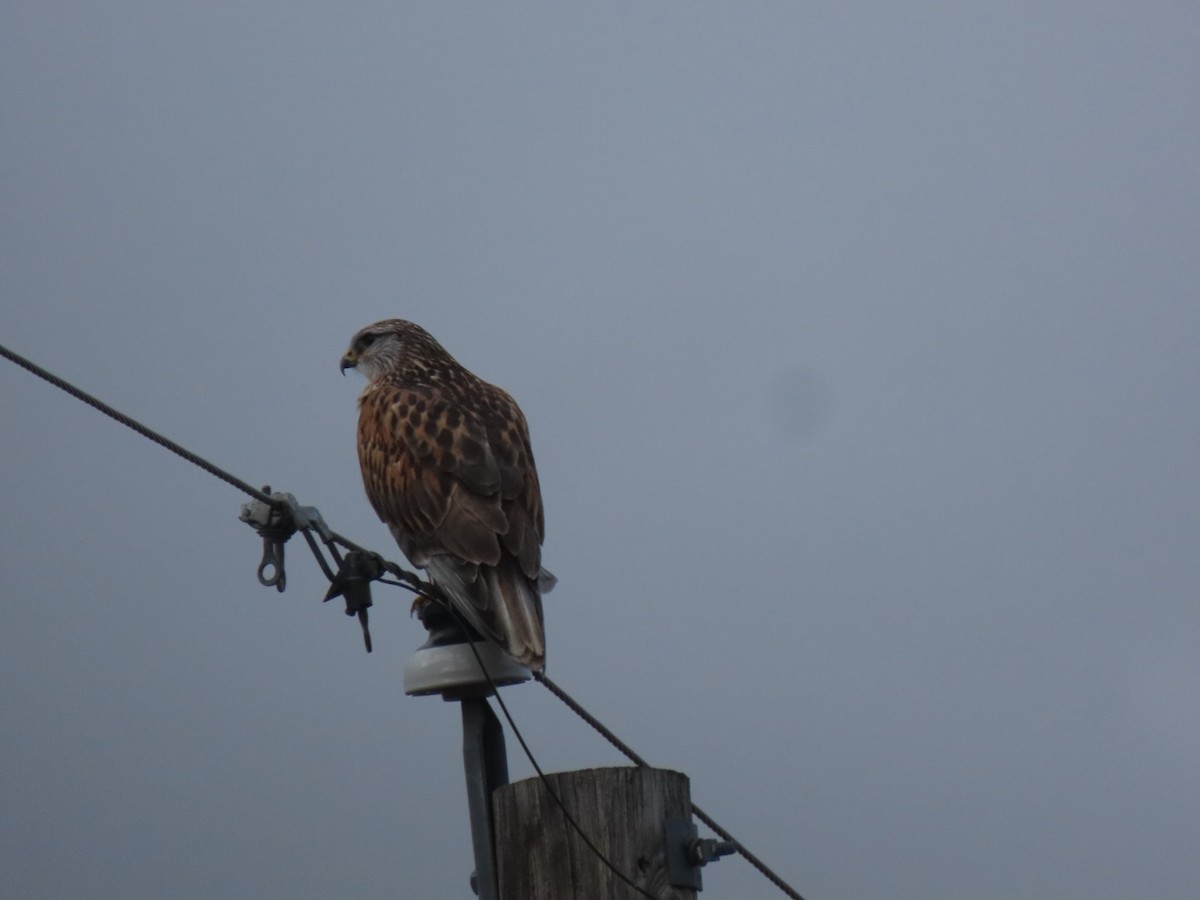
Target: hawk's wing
<point x="458" y="488"/>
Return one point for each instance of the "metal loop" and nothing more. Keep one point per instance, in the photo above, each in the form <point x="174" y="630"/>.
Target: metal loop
<point x="272" y="559"/>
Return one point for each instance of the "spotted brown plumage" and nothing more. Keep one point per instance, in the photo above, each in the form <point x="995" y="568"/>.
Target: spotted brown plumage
<point x="447" y="465"/>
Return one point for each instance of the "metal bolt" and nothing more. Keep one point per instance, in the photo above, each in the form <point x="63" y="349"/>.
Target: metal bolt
<point x="702" y="851"/>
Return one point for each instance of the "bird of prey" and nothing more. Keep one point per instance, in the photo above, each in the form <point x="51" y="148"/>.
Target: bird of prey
<point x="447" y="465"/>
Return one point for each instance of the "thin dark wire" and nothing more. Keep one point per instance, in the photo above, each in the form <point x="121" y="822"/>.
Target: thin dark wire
<point x="247" y="488"/>
<point x="700" y="814"/>
<point x="137" y="426"/>
<point x="590" y="719"/>
<point x="537" y="768"/>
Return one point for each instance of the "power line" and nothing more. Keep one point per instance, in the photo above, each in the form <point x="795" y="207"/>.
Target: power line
<point x="628" y="751"/>
<point x="410" y="582"/>
<point x="128" y="422"/>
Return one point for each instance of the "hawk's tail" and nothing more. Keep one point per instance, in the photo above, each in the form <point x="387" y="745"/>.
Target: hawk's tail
<point x="517" y="608"/>
<point x="500" y="602"/>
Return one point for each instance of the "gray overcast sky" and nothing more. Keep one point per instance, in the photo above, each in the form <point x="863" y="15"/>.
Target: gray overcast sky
<point x="859" y="344"/>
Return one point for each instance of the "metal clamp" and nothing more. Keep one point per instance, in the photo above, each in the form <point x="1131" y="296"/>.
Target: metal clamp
<point x="686" y="852"/>
<point x="276" y="522"/>
<point x="353" y="581"/>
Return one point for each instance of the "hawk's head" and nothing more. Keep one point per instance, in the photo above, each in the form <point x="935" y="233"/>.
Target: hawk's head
<point x="380" y="348"/>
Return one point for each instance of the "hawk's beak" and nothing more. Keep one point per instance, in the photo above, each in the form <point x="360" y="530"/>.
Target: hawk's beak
<point x="349" y="361"/>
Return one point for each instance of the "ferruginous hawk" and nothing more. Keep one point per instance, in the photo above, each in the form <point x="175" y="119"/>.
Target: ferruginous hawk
<point x="447" y="465"/>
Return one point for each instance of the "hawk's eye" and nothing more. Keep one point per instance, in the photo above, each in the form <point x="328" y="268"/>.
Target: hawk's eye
<point x="367" y="340"/>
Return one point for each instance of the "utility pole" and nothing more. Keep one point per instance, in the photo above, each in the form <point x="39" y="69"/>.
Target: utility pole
<point x="638" y="818"/>
<point x="526" y="848"/>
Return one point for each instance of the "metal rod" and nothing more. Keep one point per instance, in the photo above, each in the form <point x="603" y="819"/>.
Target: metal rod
<point x="486" y="765"/>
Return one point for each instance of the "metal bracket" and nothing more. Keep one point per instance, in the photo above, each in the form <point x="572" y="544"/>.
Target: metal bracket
<point x="686" y="852"/>
<point x="306" y="517"/>
<point x="681" y="871"/>
<point x="486" y="765"/>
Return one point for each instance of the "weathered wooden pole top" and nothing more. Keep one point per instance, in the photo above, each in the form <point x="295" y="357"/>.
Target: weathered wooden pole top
<point x="631" y="816"/>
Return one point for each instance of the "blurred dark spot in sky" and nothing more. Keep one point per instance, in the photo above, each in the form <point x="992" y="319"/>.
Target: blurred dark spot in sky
<point x="799" y="402"/>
